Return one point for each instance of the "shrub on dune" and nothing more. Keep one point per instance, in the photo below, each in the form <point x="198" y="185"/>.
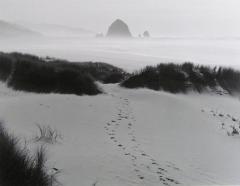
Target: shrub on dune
<point x="18" y="167"/>
<point x="229" y="79"/>
<point x="44" y="78"/>
<point x="177" y="78"/>
<point x="5" y="67"/>
<point x="30" y="73"/>
<point x="34" y="74"/>
<point x="163" y="77"/>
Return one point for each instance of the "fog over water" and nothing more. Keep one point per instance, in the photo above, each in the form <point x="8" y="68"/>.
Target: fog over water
<point x="161" y="17"/>
<point x="135" y="53"/>
<point x="201" y="31"/>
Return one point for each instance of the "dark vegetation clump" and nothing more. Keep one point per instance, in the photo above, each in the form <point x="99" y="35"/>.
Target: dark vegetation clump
<point x="18" y="167"/>
<point x="34" y="74"/>
<point x="176" y="78"/>
<point x="229" y="79"/>
<point x="5" y="67"/>
<point x="104" y="72"/>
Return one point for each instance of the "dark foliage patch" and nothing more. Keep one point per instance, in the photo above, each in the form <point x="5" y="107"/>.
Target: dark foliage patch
<point x="19" y="168"/>
<point x="31" y="73"/>
<point x="177" y="78"/>
<point x="5" y="67"/>
<point x="104" y="72"/>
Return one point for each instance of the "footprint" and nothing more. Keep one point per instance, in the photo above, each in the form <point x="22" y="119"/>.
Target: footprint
<point x="134" y="157"/>
<point x="162" y="169"/>
<point x="172" y="180"/>
<point x="158" y="172"/>
<point x="176" y="168"/>
<point x="136" y="170"/>
<point x="161" y="179"/>
<point x="164" y="183"/>
<point x="234" y="119"/>
<point x="169" y="179"/>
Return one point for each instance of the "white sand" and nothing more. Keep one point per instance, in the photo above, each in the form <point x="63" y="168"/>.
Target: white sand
<point x="159" y="136"/>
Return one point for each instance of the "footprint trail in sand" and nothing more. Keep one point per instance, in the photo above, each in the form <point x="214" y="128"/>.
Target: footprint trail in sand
<point x="120" y="130"/>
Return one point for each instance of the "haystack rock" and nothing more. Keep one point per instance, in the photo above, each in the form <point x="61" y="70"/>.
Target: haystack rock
<point x="146" y="34"/>
<point x="119" y="29"/>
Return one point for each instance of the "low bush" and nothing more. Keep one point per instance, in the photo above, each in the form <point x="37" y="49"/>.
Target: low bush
<point x="104" y="72"/>
<point x="34" y="74"/>
<point x="229" y="79"/>
<point x="177" y="78"/>
<point x="46" y="78"/>
<point x="18" y="167"/>
<point x="5" y="67"/>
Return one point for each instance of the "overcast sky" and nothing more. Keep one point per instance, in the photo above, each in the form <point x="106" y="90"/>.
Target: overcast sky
<point x="162" y="17"/>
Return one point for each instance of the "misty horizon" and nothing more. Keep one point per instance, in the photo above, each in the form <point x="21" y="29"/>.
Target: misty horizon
<point x="172" y="18"/>
<point x="200" y="31"/>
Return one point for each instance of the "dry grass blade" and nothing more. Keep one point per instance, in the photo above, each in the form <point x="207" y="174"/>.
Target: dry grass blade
<point x="48" y="135"/>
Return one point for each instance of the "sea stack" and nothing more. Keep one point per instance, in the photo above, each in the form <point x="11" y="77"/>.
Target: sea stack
<point x="146" y="34"/>
<point x="119" y="29"/>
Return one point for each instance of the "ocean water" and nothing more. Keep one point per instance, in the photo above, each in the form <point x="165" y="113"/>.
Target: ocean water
<point x="133" y="54"/>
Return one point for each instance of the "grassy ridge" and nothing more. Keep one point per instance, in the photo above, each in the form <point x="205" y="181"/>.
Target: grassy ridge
<point x="34" y="74"/>
<point x="177" y="78"/>
<point x="31" y="73"/>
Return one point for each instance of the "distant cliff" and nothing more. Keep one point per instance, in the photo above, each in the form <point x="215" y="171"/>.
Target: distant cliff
<point x="14" y="30"/>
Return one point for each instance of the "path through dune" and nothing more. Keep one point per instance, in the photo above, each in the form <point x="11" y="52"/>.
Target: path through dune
<point x="132" y="137"/>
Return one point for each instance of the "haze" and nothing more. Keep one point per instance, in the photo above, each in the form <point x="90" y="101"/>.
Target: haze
<point x="210" y="30"/>
<point x="161" y="17"/>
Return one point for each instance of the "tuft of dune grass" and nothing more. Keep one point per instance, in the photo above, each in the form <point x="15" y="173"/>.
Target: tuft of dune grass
<point x="176" y="78"/>
<point x="18" y="167"/>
